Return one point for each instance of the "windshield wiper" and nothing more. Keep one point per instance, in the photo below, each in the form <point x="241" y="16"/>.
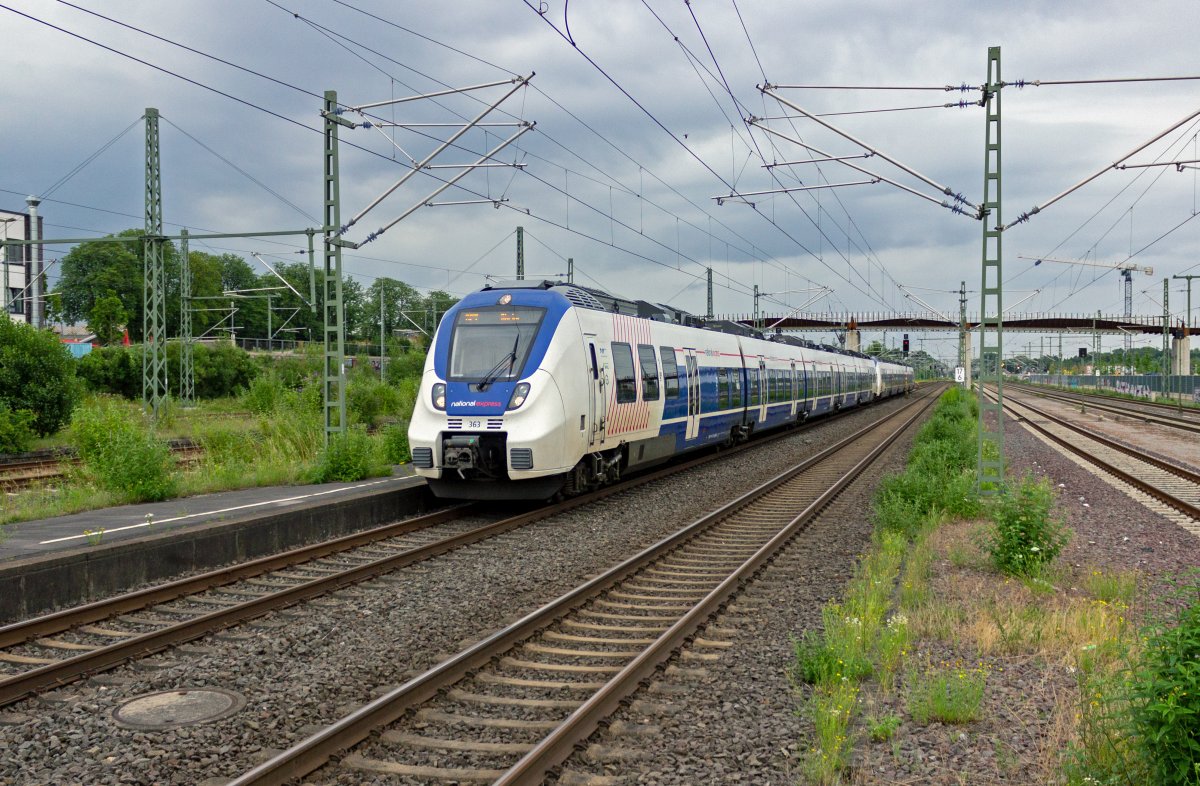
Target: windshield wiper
<point x="491" y="376"/>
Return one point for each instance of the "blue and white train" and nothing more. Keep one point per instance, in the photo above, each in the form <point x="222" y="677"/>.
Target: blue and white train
<point x="532" y="389"/>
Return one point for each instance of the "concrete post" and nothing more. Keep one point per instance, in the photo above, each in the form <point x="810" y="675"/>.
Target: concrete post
<point x="1181" y="356"/>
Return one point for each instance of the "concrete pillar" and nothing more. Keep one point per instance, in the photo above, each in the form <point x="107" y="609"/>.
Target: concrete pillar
<point x="854" y="340"/>
<point x="1181" y="356"/>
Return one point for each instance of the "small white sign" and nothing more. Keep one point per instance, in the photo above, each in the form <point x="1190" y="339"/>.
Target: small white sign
<point x="960" y="374"/>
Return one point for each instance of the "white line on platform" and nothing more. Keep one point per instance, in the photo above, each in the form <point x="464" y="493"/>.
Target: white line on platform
<point x="215" y="512"/>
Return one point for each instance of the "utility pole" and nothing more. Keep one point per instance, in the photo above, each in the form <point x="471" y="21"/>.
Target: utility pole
<point x="154" y="301"/>
<point x="570" y="270"/>
<point x="964" y="359"/>
<point x="520" y="253"/>
<point x="187" y="369"/>
<point x="989" y="477"/>
<point x="1189" y="299"/>
<point x="382" y="333"/>
<point x="709" y="313"/>
<point x="756" y="306"/>
<point x="335" y="313"/>
<point x="1166" y="356"/>
<point x="37" y="311"/>
<point x="1128" y="276"/>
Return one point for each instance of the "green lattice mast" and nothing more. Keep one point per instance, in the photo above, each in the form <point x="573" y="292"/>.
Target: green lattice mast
<point x="990" y="460"/>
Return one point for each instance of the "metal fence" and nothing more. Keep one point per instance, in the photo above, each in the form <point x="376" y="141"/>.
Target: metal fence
<point x="1149" y="386"/>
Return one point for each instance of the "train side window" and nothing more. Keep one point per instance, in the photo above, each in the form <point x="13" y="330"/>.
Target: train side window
<point x="735" y="385"/>
<point x="752" y="386"/>
<point x="649" y="372"/>
<point x="626" y="378"/>
<point x="722" y="388"/>
<point x="670" y="370"/>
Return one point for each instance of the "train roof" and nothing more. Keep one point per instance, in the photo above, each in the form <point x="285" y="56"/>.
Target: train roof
<point x="599" y="300"/>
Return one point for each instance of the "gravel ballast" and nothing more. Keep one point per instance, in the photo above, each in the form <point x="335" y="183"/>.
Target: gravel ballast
<point x="307" y="666"/>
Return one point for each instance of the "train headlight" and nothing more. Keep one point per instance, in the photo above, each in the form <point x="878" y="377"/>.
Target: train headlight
<point x="439" y="396"/>
<point x="520" y="393"/>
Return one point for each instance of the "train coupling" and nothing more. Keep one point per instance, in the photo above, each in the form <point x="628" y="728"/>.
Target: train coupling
<point x="460" y="451"/>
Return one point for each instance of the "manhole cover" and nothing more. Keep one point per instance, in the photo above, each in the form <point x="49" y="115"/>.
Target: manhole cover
<point x="172" y="708"/>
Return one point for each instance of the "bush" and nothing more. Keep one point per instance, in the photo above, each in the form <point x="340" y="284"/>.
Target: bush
<point x="368" y="399"/>
<point x="115" y="370"/>
<point x="37" y="374"/>
<point x="265" y="394"/>
<point x="16" y="430"/>
<point x="121" y="454"/>
<point x="1024" y="536"/>
<point x="404" y="365"/>
<point x="1166" y="688"/>
<point x="395" y="444"/>
<point x="347" y="457"/>
<point x="219" y="370"/>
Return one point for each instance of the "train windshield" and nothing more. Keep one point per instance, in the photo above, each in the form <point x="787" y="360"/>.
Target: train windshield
<point x="490" y="344"/>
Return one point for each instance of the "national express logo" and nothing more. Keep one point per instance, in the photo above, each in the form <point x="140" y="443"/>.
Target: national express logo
<point x="475" y="403"/>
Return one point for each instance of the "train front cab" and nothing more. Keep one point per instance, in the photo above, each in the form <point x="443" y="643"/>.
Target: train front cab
<point x="488" y="420"/>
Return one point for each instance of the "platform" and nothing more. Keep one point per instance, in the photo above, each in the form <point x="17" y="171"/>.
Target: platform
<point x="70" y="559"/>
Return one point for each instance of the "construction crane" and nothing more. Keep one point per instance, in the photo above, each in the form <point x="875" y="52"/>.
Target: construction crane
<point x="1126" y="269"/>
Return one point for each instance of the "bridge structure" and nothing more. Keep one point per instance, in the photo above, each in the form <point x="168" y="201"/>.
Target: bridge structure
<point x="931" y="321"/>
<point x="1176" y="337"/>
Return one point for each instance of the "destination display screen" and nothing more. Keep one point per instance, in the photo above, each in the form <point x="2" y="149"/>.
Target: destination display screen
<point x="492" y="343"/>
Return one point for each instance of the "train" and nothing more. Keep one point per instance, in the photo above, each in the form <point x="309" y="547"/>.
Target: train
<point x="541" y="389"/>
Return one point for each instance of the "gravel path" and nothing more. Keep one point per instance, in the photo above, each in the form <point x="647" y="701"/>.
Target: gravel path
<point x="310" y="665"/>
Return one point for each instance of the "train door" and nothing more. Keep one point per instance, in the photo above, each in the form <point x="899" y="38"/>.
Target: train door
<point x="597" y="396"/>
<point x="762" y="389"/>
<point x="693" y="395"/>
<point x="794" y="386"/>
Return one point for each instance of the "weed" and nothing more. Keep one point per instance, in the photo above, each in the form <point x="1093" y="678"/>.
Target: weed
<point x="894" y="642"/>
<point x="951" y="693"/>
<point x="121" y="453"/>
<point x="832" y="709"/>
<point x="883" y="727"/>
<point x="349" y="456"/>
<point x="1166" y="692"/>
<point x="1025" y="536"/>
<point x="94" y="536"/>
<point x="1117" y="587"/>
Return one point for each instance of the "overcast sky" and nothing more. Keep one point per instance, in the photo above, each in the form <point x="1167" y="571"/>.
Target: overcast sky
<point x="636" y="132"/>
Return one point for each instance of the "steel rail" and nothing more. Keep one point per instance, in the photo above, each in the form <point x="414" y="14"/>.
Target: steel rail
<point x="61" y="672"/>
<point x="561" y="743"/>
<point x="60" y="621"/>
<point x="313" y="752"/>
<point x="1107" y="404"/>
<point x="1161" y="495"/>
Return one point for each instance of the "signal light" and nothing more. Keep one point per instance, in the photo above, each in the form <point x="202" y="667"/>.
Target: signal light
<point x="905" y="344"/>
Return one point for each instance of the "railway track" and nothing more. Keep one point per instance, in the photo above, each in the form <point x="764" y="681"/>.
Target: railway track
<point x="1186" y="419"/>
<point x="46" y="652"/>
<point x="514" y="706"/>
<point x="1174" y="486"/>
<point x="24" y="471"/>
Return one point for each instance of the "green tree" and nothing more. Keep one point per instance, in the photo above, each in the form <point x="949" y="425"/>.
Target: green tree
<point x="37" y="374"/>
<point x="398" y="297"/>
<point x="96" y="268"/>
<point x="107" y="318"/>
<point x="437" y="303"/>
